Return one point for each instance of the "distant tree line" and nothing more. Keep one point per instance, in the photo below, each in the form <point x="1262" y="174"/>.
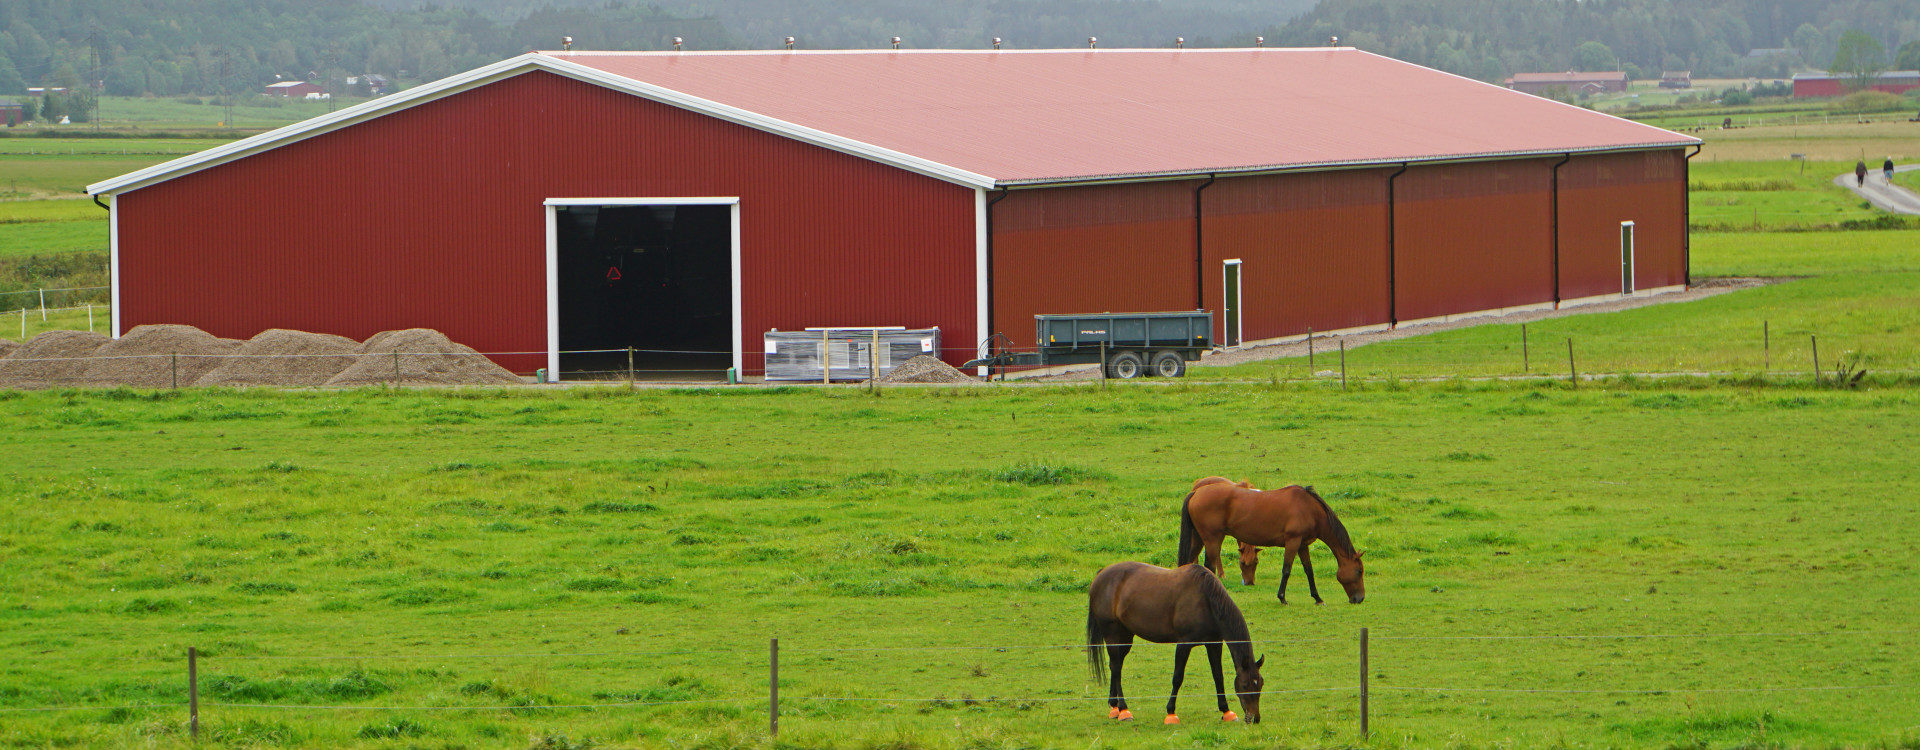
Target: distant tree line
<point x="1492" y="39"/>
<point x="211" y="47"/>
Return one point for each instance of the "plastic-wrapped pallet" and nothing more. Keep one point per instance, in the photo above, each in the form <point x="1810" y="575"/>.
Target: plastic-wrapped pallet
<point x="849" y="352"/>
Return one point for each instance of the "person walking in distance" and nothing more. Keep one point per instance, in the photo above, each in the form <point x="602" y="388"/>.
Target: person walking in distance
<point x="1860" y="173"/>
<point x="1888" y="168"/>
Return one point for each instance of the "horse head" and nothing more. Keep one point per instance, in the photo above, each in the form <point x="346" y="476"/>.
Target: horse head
<point x="1249" y="561"/>
<point x="1248" y="684"/>
<point x="1351" y="577"/>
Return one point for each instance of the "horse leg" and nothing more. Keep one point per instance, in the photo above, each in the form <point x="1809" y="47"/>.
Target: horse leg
<point x="1116" y="656"/>
<point x="1213" y="556"/>
<point x="1179" y="675"/>
<point x="1286" y="572"/>
<point x="1219" y="683"/>
<point x="1306" y="566"/>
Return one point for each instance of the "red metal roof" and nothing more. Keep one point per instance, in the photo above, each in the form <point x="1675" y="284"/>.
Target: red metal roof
<point x="1061" y="115"/>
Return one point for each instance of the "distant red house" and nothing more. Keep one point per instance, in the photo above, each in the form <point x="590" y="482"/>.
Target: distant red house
<point x="1676" y="79"/>
<point x="1807" y="86"/>
<point x="1574" y="83"/>
<point x="12" y="113"/>
<point x="294" y="89"/>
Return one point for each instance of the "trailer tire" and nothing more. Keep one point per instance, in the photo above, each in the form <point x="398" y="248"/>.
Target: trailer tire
<point x="1125" y="365"/>
<point x="1168" y="364"/>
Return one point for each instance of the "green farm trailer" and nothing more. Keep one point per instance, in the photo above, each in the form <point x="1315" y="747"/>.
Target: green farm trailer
<point x="1128" y="345"/>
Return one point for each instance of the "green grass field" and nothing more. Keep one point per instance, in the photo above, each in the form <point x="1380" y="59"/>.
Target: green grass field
<point x="416" y="549"/>
<point x="1775" y="195"/>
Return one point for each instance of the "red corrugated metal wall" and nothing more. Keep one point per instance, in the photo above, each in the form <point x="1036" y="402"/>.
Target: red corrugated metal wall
<point x="432" y="216"/>
<point x="1104" y="248"/>
<point x="1474" y="236"/>
<point x="1600" y="191"/>
<point x="1313" y="250"/>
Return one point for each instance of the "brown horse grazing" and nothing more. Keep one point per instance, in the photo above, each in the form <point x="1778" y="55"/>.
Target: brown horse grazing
<point x="1186" y="606"/>
<point x="1204" y="481"/>
<point x="1289" y="517"/>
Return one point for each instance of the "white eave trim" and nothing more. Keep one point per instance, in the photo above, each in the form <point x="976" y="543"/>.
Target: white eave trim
<point x="506" y="69"/>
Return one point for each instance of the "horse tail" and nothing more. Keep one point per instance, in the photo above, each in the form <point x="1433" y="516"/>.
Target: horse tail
<point x="1189" y="534"/>
<point x="1095" y="647"/>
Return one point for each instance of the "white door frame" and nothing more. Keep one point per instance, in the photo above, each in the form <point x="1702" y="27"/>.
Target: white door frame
<point x="1239" y="300"/>
<point x="1628" y="257"/>
<point x="553" y="265"/>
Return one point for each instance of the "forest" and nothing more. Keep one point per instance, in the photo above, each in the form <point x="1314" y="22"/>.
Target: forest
<point x="211" y="47"/>
<point x="1491" y="39"/>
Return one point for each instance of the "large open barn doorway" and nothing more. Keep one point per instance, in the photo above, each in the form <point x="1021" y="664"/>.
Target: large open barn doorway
<point x="654" y="276"/>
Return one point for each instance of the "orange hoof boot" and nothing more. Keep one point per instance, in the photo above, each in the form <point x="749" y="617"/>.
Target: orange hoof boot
<point x="1125" y="715"/>
<point x="1173" y="719"/>
<point x="1113" y="712"/>
<point x="1229" y="716"/>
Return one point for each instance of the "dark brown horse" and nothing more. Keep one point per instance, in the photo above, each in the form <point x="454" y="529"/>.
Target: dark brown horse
<point x="1185" y="606"/>
<point x="1289" y="517"/>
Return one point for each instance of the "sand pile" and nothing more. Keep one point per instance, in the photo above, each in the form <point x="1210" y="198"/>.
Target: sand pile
<point x="278" y="356"/>
<point x="143" y="358"/>
<point x="926" y="369"/>
<point x="7" y="346"/>
<point x="427" y="357"/>
<point x="51" y="358"/>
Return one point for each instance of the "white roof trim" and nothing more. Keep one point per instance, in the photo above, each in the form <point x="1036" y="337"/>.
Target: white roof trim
<point x="506" y="69"/>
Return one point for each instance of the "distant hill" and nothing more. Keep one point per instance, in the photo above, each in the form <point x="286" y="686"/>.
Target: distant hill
<point x="204" y="47"/>
<point x="1490" y="39"/>
<point x="962" y="24"/>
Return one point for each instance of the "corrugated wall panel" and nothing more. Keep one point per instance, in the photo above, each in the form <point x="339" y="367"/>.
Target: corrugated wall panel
<point x="432" y="216"/>
<point x="1475" y="236"/>
<point x="1313" y="250"/>
<point x="1106" y="248"/>
<point x="1597" y="193"/>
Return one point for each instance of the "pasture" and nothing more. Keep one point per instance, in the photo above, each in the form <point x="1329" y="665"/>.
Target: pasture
<point x="514" y="548"/>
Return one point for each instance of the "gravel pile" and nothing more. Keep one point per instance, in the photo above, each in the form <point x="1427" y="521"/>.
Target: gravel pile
<point x="51" y="358"/>
<point x="7" y="346"/>
<point x="926" y="369"/>
<point x="427" y="357"/>
<point x="286" y="358"/>
<point x="143" y="358"/>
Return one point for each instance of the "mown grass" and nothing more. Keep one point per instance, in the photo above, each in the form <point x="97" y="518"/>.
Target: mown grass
<point x="1779" y="195"/>
<point x="597" y="546"/>
<point x="1840" y="140"/>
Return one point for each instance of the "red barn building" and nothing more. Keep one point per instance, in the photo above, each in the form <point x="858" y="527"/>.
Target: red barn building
<point x="1809" y="85"/>
<point x="693" y="201"/>
<point x="294" y="89"/>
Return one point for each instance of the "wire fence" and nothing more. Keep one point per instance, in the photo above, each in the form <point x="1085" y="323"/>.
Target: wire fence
<point x="775" y="657"/>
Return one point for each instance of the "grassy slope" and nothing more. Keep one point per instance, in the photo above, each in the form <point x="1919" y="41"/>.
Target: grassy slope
<point x="373" y="523"/>
<point x="1862" y="296"/>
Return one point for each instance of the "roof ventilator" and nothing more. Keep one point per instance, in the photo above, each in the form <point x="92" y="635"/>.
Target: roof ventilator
<point x="789" y="44"/>
<point x="1180" y="42"/>
<point x="996" y="42"/>
<point x="677" y="41"/>
<point x="1091" y="41"/>
<point x="566" y="44"/>
<point x="896" y="42"/>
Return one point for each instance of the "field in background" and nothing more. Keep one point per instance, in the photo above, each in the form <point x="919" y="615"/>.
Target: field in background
<point x="493" y="548"/>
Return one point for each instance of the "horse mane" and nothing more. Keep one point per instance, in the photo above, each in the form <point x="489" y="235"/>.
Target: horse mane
<point x="1226" y="614"/>
<point x="1336" y="531"/>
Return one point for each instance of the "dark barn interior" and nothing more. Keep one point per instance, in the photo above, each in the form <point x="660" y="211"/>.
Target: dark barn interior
<point x="654" y="278"/>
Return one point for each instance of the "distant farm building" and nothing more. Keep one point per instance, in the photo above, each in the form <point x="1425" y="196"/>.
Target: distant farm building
<point x="377" y="85"/>
<point x="695" y="201"/>
<point x="1588" y="84"/>
<point x="295" y="90"/>
<point x="12" y="113"/>
<point x="1676" y="79"/>
<point x="1806" y="86"/>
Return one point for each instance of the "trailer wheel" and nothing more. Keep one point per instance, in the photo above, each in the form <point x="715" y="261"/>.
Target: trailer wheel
<point x="1168" y="364"/>
<point x="1124" y="365"/>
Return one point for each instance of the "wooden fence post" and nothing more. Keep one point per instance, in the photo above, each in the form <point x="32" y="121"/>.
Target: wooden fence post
<point x="1309" y="350"/>
<point x="174" y="358"/>
<point x="1343" y="364"/>
<point x="630" y="385"/>
<point x="1103" y="364"/>
<point x="1573" y="374"/>
<point x="396" y="366"/>
<point x="826" y="359"/>
<point x="1816" y="356"/>
<point x="873" y="363"/>
<point x="1363" y="685"/>
<point x="193" y="691"/>
<point x="773" y="688"/>
<point x="1526" y="367"/>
